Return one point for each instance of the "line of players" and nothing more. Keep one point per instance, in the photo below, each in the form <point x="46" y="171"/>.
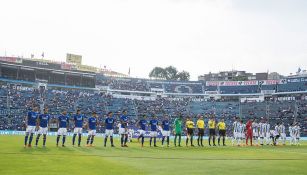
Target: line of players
<point x="40" y="122"/>
<point x="262" y="133"/>
<point x="258" y="131"/>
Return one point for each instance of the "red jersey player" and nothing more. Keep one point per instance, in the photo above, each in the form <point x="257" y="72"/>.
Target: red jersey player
<point x="249" y="132"/>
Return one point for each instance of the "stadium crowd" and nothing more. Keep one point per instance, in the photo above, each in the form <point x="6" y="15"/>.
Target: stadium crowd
<point x="16" y="100"/>
<point x="134" y="84"/>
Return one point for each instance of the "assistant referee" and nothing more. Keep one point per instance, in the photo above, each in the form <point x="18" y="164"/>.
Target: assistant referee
<point x="211" y="124"/>
<point x="190" y="131"/>
<point x="221" y="126"/>
<point x="201" y="130"/>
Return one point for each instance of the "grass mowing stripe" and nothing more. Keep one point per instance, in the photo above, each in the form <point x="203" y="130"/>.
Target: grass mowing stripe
<point x="146" y="157"/>
<point x="281" y="160"/>
<point x="285" y="151"/>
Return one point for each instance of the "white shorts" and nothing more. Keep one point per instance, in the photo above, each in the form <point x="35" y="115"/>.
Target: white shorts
<point x="42" y="130"/>
<point x="255" y="134"/>
<point x="109" y="132"/>
<point x="130" y="134"/>
<point x="142" y="132"/>
<point x="262" y="135"/>
<point x="78" y="131"/>
<point x="283" y="136"/>
<point x="268" y="135"/>
<point x="62" y="131"/>
<point x="235" y="134"/>
<point x="91" y="132"/>
<point x="123" y="131"/>
<point x="166" y="133"/>
<point x="30" y="129"/>
<point x="153" y="133"/>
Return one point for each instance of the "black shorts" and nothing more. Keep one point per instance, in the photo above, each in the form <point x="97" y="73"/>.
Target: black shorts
<point x="222" y="132"/>
<point x="201" y="132"/>
<point x="211" y="132"/>
<point x="190" y="131"/>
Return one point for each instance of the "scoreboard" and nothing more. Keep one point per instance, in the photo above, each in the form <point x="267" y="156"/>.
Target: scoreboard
<point x="72" y="58"/>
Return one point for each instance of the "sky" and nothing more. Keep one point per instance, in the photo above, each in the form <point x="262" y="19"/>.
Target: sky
<point x="198" y="36"/>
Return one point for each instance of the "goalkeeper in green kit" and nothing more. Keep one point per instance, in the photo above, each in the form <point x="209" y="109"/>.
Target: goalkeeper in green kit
<point x="178" y="130"/>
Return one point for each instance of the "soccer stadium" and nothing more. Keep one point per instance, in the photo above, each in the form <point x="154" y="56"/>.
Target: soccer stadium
<point x="27" y="84"/>
<point x="70" y="116"/>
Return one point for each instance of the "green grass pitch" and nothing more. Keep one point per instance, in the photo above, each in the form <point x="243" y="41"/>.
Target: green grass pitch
<point x="14" y="159"/>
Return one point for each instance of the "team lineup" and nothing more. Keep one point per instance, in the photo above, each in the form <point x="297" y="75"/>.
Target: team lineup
<point x="258" y="133"/>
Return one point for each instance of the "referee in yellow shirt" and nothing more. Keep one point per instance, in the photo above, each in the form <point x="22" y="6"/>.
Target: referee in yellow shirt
<point x="201" y="130"/>
<point x="211" y="125"/>
<point x="221" y="126"/>
<point x="190" y="128"/>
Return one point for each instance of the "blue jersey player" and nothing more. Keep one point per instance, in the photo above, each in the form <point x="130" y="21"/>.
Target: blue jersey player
<point x="165" y="130"/>
<point x="43" y="121"/>
<point x="123" y="130"/>
<point x="63" y="123"/>
<point x="78" y="121"/>
<point x="153" y="123"/>
<point x="92" y="123"/>
<point x="31" y="121"/>
<point x="109" y="124"/>
<point x="142" y="125"/>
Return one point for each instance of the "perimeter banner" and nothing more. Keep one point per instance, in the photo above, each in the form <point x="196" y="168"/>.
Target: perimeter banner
<point x="232" y="83"/>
